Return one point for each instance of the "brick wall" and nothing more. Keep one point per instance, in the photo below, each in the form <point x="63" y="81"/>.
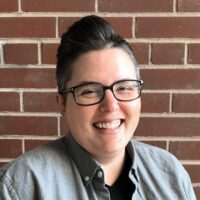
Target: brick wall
<point x="165" y="35"/>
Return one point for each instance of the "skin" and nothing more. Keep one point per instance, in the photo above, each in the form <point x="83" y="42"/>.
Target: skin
<point x="107" y="146"/>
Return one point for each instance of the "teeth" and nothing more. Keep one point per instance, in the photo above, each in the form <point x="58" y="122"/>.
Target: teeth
<point x="108" y="125"/>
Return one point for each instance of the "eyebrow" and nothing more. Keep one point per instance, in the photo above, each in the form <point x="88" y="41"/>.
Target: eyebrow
<point x="88" y="82"/>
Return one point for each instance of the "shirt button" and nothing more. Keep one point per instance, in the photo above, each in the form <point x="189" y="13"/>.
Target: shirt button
<point x="87" y="178"/>
<point x="100" y="174"/>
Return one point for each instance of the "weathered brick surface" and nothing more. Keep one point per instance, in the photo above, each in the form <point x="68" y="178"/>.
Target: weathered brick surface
<point x="21" y="54"/>
<point x="49" y="52"/>
<point x="167" y="53"/>
<point x="160" y="144"/>
<point x="40" y="102"/>
<point x="188" y="6"/>
<point x="194" y="53"/>
<point x="43" y="126"/>
<point x="193" y="171"/>
<point x="20" y="27"/>
<point x="10" y="148"/>
<point x="31" y="144"/>
<point x="167" y="27"/>
<point x="136" y="6"/>
<point x="168" y="126"/>
<point x="58" y="6"/>
<point x="8" y="6"/>
<point x="9" y="101"/>
<point x="188" y="150"/>
<point x="141" y="52"/>
<point x="171" y="78"/>
<point x="186" y="103"/>
<point x="155" y="103"/>
<point x="27" y="78"/>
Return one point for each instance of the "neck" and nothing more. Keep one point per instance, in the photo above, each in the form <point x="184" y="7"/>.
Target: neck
<point x="112" y="167"/>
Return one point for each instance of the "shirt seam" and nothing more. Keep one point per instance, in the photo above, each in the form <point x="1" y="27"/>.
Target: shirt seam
<point x="10" y="188"/>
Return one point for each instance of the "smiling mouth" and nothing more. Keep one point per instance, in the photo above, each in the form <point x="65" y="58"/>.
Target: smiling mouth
<point x="108" y="125"/>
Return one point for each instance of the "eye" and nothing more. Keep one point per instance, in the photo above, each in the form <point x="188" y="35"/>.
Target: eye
<point x="124" y="88"/>
<point x="88" y="93"/>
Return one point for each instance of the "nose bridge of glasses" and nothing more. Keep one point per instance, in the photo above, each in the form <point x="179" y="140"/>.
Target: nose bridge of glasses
<point x="109" y="87"/>
<point x="105" y="88"/>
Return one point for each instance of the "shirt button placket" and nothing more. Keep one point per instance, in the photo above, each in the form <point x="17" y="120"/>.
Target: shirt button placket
<point x="100" y="174"/>
<point x="87" y="178"/>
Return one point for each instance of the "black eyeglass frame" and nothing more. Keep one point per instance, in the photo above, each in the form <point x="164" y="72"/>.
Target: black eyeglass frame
<point x="110" y="87"/>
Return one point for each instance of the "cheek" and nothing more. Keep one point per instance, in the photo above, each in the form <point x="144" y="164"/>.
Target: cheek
<point x="133" y="111"/>
<point x="135" y="107"/>
<point x="78" y="116"/>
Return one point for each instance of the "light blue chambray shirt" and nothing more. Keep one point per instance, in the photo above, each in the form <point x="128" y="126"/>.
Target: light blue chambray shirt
<point x="62" y="170"/>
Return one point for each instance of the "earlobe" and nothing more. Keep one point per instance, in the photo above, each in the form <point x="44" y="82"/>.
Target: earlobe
<point x="61" y="103"/>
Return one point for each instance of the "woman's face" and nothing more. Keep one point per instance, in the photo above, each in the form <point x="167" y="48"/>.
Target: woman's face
<point x="118" y="120"/>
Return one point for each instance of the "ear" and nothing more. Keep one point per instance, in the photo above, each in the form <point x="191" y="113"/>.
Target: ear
<point x="61" y="103"/>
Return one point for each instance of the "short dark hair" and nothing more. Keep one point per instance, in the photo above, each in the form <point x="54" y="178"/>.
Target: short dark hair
<point x="89" y="33"/>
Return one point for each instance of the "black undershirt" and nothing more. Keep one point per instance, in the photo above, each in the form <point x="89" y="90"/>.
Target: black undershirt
<point x="123" y="188"/>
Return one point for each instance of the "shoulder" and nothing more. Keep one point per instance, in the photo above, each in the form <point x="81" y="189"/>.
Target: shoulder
<point x="154" y="164"/>
<point x="46" y="168"/>
<point x="153" y="158"/>
<point x="36" y="160"/>
<point x="150" y="151"/>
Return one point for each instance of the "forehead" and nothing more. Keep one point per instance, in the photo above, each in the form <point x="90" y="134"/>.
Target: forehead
<point x="105" y="66"/>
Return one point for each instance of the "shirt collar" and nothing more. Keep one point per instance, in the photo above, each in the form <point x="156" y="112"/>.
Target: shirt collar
<point x="134" y="157"/>
<point x="86" y="165"/>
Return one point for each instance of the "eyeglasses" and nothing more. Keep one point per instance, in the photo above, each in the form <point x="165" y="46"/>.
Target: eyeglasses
<point x="92" y="93"/>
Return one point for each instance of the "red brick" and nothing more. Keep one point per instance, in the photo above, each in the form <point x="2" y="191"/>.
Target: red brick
<point x="160" y="144"/>
<point x="141" y="52"/>
<point x="194" y="53"/>
<point x="197" y="192"/>
<point x="49" y="52"/>
<point x="167" y="27"/>
<point x="122" y="25"/>
<point x="136" y="6"/>
<point x="10" y="148"/>
<point x="20" y="53"/>
<point x="58" y="5"/>
<point x="9" y="6"/>
<point x="188" y="6"/>
<point x="193" y="171"/>
<point x="29" y="27"/>
<point x="20" y="125"/>
<point x="155" y="102"/>
<point x="167" y="53"/>
<point x="185" y="150"/>
<point x="9" y="101"/>
<point x="168" y="126"/>
<point x="171" y="78"/>
<point x="40" y="102"/>
<point x="27" y="78"/>
<point x="186" y="103"/>
<point x="31" y="144"/>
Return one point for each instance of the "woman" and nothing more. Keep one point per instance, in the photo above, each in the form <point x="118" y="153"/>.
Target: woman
<point x="99" y="96"/>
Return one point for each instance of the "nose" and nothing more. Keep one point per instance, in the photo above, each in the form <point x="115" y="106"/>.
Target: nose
<point x="109" y="103"/>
